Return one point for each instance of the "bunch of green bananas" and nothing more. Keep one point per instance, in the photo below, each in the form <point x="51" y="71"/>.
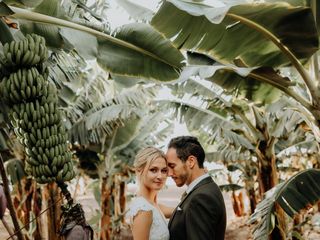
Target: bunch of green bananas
<point x="33" y="110"/>
<point x="28" y="52"/>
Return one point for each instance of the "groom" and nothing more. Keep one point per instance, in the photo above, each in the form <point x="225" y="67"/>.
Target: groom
<point x="201" y="214"/>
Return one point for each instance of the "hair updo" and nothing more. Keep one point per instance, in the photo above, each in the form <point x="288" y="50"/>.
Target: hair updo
<point x="145" y="156"/>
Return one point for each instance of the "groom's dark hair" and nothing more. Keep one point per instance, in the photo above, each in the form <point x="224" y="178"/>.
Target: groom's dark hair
<point x="186" y="146"/>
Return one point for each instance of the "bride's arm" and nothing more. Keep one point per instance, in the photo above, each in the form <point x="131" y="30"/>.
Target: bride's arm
<point x="167" y="211"/>
<point x="141" y="225"/>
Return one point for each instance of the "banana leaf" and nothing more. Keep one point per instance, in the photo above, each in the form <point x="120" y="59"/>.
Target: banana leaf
<point x="137" y="12"/>
<point x="230" y="187"/>
<point x="241" y="37"/>
<point x="294" y="195"/>
<point x="261" y="85"/>
<point x="23" y="3"/>
<point x="215" y="125"/>
<point x="15" y="169"/>
<point x="135" y="50"/>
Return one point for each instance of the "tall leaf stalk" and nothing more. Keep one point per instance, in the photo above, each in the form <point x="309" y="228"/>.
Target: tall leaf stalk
<point x="9" y="201"/>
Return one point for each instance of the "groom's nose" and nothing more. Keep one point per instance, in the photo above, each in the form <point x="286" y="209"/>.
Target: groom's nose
<point x="170" y="172"/>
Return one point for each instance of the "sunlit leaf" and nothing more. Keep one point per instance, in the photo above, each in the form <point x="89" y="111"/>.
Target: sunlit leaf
<point x="233" y="42"/>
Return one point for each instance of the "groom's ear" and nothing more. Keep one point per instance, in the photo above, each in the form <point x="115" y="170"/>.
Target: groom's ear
<point x="191" y="161"/>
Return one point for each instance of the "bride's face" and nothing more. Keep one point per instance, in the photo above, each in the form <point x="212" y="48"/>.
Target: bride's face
<point x="156" y="175"/>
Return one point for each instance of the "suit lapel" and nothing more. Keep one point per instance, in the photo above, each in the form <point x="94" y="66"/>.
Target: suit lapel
<point x="202" y="182"/>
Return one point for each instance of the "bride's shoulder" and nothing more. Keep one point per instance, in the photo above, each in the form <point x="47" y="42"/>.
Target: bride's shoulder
<point x="139" y="204"/>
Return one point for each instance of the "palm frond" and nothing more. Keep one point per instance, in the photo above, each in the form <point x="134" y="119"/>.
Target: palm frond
<point x="137" y="12"/>
<point x="216" y="126"/>
<point x="226" y="155"/>
<point x="299" y="192"/>
<point x="100" y="119"/>
<point x="154" y="129"/>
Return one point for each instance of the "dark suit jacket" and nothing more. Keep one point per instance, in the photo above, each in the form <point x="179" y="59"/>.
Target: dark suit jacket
<point x="201" y="215"/>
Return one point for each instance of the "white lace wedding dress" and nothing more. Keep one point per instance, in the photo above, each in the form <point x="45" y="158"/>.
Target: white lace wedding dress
<point x="159" y="228"/>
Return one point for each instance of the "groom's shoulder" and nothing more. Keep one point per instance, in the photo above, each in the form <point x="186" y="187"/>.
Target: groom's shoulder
<point x="204" y="183"/>
<point x="208" y="185"/>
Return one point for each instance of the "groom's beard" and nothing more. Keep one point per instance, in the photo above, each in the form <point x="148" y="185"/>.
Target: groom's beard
<point x="181" y="179"/>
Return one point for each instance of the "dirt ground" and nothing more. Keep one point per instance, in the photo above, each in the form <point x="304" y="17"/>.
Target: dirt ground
<point x="238" y="229"/>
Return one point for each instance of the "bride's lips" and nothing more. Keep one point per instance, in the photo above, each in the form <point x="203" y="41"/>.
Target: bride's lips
<point x="158" y="182"/>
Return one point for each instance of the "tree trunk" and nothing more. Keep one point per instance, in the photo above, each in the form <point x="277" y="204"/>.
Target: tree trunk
<point x="116" y="196"/>
<point x="26" y="202"/>
<point x="253" y="200"/>
<point x="268" y="173"/>
<point x="36" y="209"/>
<point x="105" y="221"/>
<point x="236" y="205"/>
<point x="269" y="179"/>
<point x="123" y="198"/>
<point x="53" y="196"/>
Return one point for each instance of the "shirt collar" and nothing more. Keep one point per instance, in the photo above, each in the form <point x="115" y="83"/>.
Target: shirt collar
<point x="195" y="182"/>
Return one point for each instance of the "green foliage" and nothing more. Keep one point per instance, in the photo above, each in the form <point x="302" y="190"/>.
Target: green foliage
<point x="195" y="26"/>
<point x="15" y="169"/>
<point x="294" y="195"/>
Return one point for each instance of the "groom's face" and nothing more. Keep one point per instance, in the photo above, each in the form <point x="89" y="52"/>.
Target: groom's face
<point x="178" y="170"/>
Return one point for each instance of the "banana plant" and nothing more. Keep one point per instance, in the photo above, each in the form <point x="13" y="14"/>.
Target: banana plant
<point x="121" y="148"/>
<point x="242" y="161"/>
<point x="134" y="50"/>
<point x="261" y="38"/>
<point x="295" y="195"/>
<point x="111" y="123"/>
<point x="267" y="130"/>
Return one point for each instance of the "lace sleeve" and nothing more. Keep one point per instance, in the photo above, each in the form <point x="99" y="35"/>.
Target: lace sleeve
<point x="138" y="204"/>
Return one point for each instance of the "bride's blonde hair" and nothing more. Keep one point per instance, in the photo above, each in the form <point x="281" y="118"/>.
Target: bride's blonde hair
<point x="145" y="157"/>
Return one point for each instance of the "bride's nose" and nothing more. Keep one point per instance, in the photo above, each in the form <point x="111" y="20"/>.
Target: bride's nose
<point x="160" y="175"/>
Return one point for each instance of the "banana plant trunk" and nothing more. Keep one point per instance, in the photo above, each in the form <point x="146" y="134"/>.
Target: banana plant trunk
<point x="237" y="209"/>
<point x="36" y="209"/>
<point x="252" y="199"/>
<point x="25" y="205"/>
<point x="237" y="204"/>
<point x="268" y="179"/>
<point x="105" y="220"/>
<point x="267" y="166"/>
<point x="123" y="199"/>
<point x="52" y="194"/>
<point x="28" y="201"/>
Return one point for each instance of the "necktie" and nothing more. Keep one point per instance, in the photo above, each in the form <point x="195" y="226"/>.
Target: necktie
<point x="184" y="194"/>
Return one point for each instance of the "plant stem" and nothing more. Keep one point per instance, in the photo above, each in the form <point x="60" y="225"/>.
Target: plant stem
<point x="20" y="13"/>
<point x="257" y="135"/>
<point x="9" y="200"/>
<point x="295" y="62"/>
<point x="65" y="192"/>
<point x="286" y="90"/>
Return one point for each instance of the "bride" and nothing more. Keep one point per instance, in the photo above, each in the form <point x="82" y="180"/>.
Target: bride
<point x="147" y="217"/>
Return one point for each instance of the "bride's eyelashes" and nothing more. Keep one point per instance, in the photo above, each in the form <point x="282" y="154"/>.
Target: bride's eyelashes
<point x="164" y="170"/>
<point x="155" y="170"/>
